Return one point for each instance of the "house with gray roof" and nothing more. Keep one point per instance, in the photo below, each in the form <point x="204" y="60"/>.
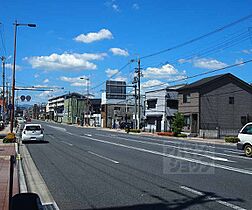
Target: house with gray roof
<point x="215" y="106"/>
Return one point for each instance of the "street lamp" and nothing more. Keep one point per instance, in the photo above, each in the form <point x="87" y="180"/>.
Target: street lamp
<point x="16" y="24"/>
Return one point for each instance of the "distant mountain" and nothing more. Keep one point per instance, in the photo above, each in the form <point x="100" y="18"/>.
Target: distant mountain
<point x="25" y="106"/>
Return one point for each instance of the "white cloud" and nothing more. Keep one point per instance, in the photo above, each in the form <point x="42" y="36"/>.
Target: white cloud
<point x="151" y="83"/>
<point x="182" y="60"/>
<point x="135" y="6"/>
<point x="36" y="75"/>
<point x="165" y="72"/>
<point x="247" y="51"/>
<point x="76" y="81"/>
<point x="44" y="94"/>
<point x="115" y="7"/>
<point x="94" y="36"/>
<point x="208" y="63"/>
<point x="121" y="78"/>
<point x="66" y="61"/>
<point x="239" y="61"/>
<point x="10" y="66"/>
<point x="46" y="80"/>
<point x="118" y="51"/>
<point x="111" y="72"/>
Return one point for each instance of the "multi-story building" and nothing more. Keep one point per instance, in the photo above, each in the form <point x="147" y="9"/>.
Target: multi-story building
<point x="57" y="106"/>
<point x="116" y="105"/>
<point x="216" y="106"/>
<point x="160" y="107"/>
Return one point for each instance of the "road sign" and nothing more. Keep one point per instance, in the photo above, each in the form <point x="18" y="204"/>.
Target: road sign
<point x="22" y="98"/>
<point x="28" y="98"/>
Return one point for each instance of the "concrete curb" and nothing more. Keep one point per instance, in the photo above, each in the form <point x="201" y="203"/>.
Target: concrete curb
<point x="32" y="181"/>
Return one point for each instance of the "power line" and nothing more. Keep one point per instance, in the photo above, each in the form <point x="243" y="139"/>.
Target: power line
<point x="198" y="38"/>
<point x="123" y="67"/>
<point x="204" y="73"/>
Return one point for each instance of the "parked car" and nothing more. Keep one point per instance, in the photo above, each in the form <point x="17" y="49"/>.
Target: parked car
<point x="33" y="132"/>
<point x="124" y="125"/>
<point x="21" y="120"/>
<point x="245" y="136"/>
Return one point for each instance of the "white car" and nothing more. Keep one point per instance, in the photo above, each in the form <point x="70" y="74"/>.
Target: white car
<point x="33" y="132"/>
<point x="21" y="120"/>
<point x="245" y="136"/>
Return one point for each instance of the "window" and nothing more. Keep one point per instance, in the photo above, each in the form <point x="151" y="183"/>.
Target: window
<point x="172" y="103"/>
<point x="187" y="98"/>
<point x="187" y="121"/>
<point x="117" y="108"/>
<point x="33" y="128"/>
<point x="151" y="103"/>
<point x="231" y="100"/>
<point x="247" y="130"/>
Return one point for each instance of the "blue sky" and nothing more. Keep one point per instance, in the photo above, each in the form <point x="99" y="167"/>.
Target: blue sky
<point x="95" y="38"/>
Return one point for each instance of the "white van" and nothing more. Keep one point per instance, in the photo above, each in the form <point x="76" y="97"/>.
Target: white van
<point x="245" y="137"/>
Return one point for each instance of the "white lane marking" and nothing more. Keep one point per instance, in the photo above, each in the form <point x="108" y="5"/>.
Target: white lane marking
<point x="57" y="128"/>
<point x="178" y="147"/>
<point x="229" y="168"/>
<point x="182" y="143"/>
<point x="65" y="142"/>
<point x="109" y="159"/>
<point x="87" y="134"/>
<point x="224" y="203"/>
<point x="208" y="156"/>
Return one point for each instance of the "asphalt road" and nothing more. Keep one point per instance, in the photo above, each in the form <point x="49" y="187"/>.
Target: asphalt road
<point x="88" y="168"/>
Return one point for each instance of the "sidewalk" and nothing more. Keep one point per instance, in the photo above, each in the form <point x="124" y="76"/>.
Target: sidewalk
<point x="6" y="151"/>
<point x="189" y="139"/>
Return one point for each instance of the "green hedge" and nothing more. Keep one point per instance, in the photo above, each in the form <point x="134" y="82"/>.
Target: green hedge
<point x="181" y="135"/>
<point x="133" y="130"/>
<point x="231" y="139"/>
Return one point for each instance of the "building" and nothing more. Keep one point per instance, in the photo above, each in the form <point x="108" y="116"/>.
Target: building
<point x="95" y="109"/>
<point x="160" y="107"/>
<point x="216" y="106"/>
<point x="116" y="106"/>
<point x="57" y="106"/>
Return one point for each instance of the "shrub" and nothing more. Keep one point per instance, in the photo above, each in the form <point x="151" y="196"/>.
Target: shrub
<point x="133" y="130"/>
<point x="181" y="135"/>
<point x="166" y="133"/>
<point x="10" y="138"/>
<point x="231" y="139"/>
<point x="177" y="123"/>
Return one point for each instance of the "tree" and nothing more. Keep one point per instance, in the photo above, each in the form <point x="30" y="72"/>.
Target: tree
<point x="177" y="123"/>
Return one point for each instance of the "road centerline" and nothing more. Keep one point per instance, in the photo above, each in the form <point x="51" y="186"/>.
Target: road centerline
<point x="103" y="157"/>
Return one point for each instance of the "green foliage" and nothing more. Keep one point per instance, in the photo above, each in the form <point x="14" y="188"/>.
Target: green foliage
<point x="181" y="135"/>
<point x="177" y="123"/>
<point x="231" y="139"/>
<point x="133" y="130"/>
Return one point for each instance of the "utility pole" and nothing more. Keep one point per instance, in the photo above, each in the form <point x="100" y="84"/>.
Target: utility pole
<point x="3" y="109"/>
<point x="139" y="93"/>
<point x="135" y="125"/>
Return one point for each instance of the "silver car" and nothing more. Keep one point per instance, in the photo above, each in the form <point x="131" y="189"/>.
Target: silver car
<point x="32" y="132"/>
